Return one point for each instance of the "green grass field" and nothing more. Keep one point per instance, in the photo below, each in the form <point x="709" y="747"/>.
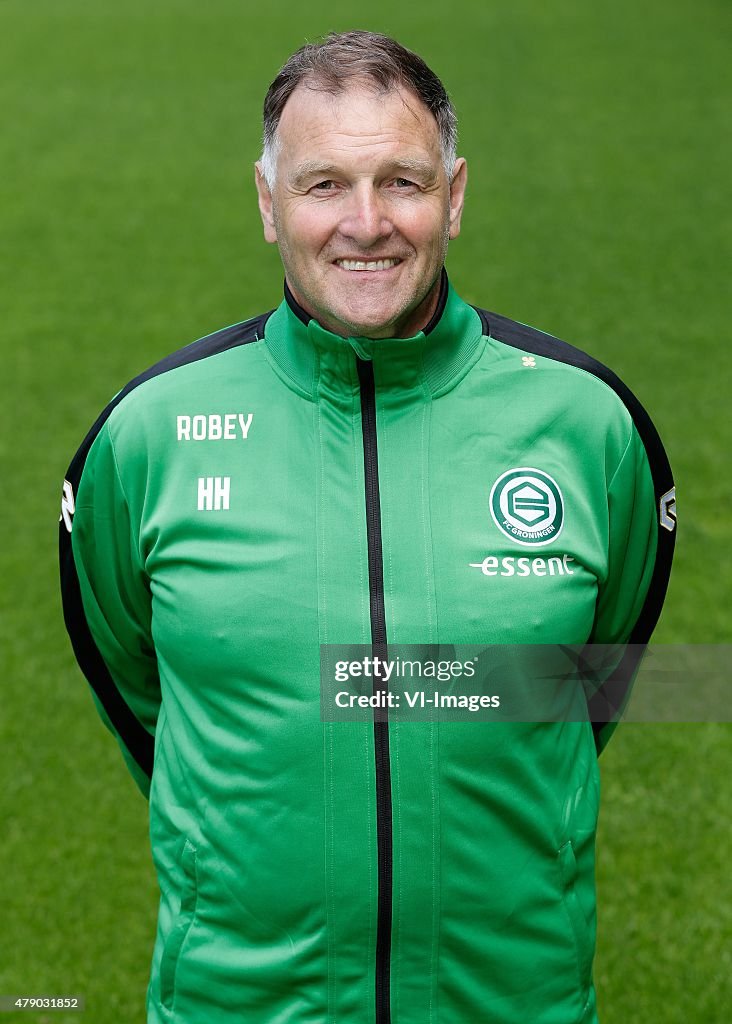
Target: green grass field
<point x="598" y="210"/>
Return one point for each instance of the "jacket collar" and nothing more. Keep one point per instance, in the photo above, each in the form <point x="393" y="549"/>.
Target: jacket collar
<point x="314" y="359"/>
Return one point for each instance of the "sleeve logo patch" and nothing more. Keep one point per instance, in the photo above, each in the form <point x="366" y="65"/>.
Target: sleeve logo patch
<point x="67" y="506"/>
<point x="527" y="506"/>
<point x="667" y="507"/>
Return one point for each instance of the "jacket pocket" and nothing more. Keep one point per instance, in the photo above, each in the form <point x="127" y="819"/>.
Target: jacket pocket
<point x="181" y="927"/>
<point x="583" y="939"/>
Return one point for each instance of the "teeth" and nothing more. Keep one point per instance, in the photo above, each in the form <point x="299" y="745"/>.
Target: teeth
<point x="367" y="265"/>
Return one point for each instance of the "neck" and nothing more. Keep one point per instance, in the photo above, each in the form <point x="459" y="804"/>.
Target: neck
<point x="421" y="318"/>
<point x="317" y="363"/>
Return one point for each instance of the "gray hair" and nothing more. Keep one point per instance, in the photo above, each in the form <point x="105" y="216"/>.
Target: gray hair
<point x="342" y="56"/>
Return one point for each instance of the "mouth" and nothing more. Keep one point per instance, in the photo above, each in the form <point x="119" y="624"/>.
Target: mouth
<point x="368" y="266"/>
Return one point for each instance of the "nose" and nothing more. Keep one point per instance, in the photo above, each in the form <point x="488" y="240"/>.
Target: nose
<point x="365" y="217"/>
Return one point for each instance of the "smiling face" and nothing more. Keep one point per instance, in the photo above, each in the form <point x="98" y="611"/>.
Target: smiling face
<point x="362" y="209"/>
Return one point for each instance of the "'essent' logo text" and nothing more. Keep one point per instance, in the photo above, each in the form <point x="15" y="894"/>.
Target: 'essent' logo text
<point x="557" y="565"/>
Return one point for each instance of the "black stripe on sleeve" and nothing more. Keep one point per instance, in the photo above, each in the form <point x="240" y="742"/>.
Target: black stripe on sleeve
<point x="528" y="339"/>
<point x="133" y="734"/>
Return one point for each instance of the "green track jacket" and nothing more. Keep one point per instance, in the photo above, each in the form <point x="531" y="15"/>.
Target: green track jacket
<point x="274" y="487"/>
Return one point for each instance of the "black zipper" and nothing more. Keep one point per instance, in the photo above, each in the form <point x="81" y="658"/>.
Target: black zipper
<point x="381" y="725"/>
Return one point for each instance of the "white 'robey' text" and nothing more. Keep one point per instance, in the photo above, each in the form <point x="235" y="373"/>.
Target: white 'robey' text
<point x="228" y="426"/>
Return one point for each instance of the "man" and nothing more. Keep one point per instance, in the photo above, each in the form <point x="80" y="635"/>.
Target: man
<point x="374" y="462"/>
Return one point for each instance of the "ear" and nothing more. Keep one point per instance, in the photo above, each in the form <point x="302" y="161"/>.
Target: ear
<point x="265" y="204"/>
<point x="458" y="183"/>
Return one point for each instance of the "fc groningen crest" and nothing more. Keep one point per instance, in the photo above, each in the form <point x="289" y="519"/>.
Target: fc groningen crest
<point x="527" y="505"/>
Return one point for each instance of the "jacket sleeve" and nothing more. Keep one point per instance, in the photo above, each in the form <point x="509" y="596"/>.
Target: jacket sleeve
<point x="107" y="602"/>
<point x="641" y="533"/>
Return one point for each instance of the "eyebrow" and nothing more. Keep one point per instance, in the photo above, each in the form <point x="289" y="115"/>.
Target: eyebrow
<point x="312" y="168"/>
<point x="315" y="168"/>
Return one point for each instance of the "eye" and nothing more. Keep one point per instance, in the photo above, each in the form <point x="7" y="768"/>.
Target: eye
<point x="324" y="186"/>
<point x="403" y="183"/>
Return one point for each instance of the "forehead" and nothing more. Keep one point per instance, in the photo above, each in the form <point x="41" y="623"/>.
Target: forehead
<point x="356" y="123"/>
